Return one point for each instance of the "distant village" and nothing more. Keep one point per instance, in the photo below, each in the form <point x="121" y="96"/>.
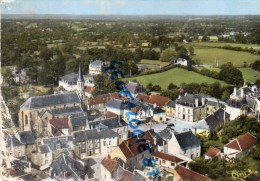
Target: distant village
<point x="75" y="135"/>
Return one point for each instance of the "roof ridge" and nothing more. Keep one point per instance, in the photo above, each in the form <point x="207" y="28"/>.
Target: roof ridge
<point x="239" y="144"/>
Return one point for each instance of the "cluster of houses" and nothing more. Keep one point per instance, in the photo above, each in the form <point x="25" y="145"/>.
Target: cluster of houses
<point x="63" y="140"/>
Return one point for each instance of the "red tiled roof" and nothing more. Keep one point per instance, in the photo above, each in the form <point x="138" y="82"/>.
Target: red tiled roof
<point x="188" y="175"/>
<point x="242" y="142"/>
<point x="126" y="176"/>
<point x="142" y="97"/>
<point x="129" y="147"/>
<point x="109" y="164"/>
<point x="168" y="157"/>
<point x="58" y="133"/>
<point x="135" y="109"/>
<point x="89" y="89"/>
<point x="109" y="114"/>
<point x="158" y="100"/>
<point x="102" y="99"/>
<point x="212" y="152"/>
<point x="59" y="123"/>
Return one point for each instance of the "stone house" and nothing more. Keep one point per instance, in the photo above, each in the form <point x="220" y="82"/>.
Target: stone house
<point x="191" y="107"/>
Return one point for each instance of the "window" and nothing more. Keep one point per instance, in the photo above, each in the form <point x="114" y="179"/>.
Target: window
<point x="45" y="154"/>
<point x="184" y="151"/>
<point x="160" y="118"/>
<point x="172" y="164"/>
<point x="143" y="155"/>
<point x="163" y="161"/>
<point x="197" y="154"/>
<point x="109" y="142"/>
<point x="191" y="156"/>
<point x="118" y="130"/>
<point x="104" y="143"/>
<point x="54" y="107"/>
<point x="26" y="119"/>
<point x="188" y="111"/>
<point x="64" y="105"/>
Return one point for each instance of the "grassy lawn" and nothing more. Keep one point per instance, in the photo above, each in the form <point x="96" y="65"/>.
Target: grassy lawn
<point x="248" y="73"/>
<point x="152" y="62"/>
<point x="221" y="44"/>
<point x="176" y="76"/>
<point x="207" y="56"/>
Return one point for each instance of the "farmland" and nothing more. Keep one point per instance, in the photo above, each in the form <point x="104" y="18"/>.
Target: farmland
<point x="176" y="76"/>
<point x="207" y="56"/>
<point x="222" y="44"/>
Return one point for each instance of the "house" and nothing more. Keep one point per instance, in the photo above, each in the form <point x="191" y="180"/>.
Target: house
<point x="116" y="124"/>
<point x="108" y="169"/>
<point x="212" y="152"/>
<point x="240" y="146"/>
<point x="58" y="126"/>
<point x="95" y="141"/>
<point x="134" y="88"/>
<point x="20" y="144"/>
<point x="213" y="105"/>
<point x="158" y="100"/>
<point x="78" y="121"/>
<point x="191" y="107"/>
<point x="181" y="61"/>
<point x="185" y="143"/>
<point x="73" y="82"/>
<point x="98" y="102"/>
<point x="43" y="158"/>
<point x="170" y="109"/>
<point x="67" y="167"/>
<point x="166" y="160"/>
<point x="30" y="110"/>
<point x="128" y="151"/>
<point x="96" y="67"/>
<point x="159" y="115"/>
<point x="116" y="106"/>
<point x="182" y="173"/>
<point x="142" y="97"/>
<point x="212" y="122"/>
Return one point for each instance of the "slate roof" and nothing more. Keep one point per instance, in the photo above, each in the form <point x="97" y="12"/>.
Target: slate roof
<point x="242" y="142"/>
<point x="78" y="119"/>
<point x="50" y="100"/>
<point x="171" y="104"/>
<point x="93" y="134"/>
<point x="165" y="156"/>
<point x="66" y="166"/>
<point x="186" y="174"/>
<point x="27" y="137"/>
<point x="246" y="90"/>
<point x="64" y="141"/>
<point x="237" y="103"/>
<point x="189" y="100"/>
<point x="116" y="104"/>
<point x="44" y="149"/>
<point x="212" y="121"/>
<point x="96" y="63"/>
<point x="187" y="139"/>
<point x="166" y="134"/>
<point x="71" y="78"/>
<point x="22" y="138"/>
<point x="110" y="123"/>
<point x="131" y="87"/>
<point x="66" y="110"/>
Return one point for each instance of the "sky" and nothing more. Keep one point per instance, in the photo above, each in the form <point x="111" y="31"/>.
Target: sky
<point x="132" y="7"/>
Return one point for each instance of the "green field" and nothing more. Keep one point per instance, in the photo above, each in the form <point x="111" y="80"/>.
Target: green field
<point x="4" y="68"/>
<point x="207" y="56"/>
<point x="222" y="44"/>
<point x="152" y="62"/>
<point x="248" y="73"/>
<point x="176" y="76"/>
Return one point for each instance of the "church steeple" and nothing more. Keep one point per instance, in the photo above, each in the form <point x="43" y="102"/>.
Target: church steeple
<point x="80" y="83"/>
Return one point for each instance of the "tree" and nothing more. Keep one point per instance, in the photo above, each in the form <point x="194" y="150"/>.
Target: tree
<point x="191" y="50"/>
<point x="9" y="77"/>
<point x="230" y="74"/>
<point x="205" y="38"/>
<point x="138" y="55"/>
<point x="171" y="86"/>
<point x="256" y="65"/>
<point x="149" y="87"/>
<point x="168" y="55"/>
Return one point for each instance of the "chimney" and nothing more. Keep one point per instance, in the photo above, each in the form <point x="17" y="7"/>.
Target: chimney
<point x="242" y="93"/>
<point x="196" y="102"/>
<point x="235" y="91"/>
<point x="119" y="120"/>
<point x="203" y="100"/>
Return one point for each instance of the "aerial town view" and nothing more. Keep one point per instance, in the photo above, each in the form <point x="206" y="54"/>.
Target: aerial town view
<point x="130" y="90"/>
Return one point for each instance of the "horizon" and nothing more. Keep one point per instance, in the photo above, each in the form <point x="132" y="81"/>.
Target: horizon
<point x="132" y="7"/>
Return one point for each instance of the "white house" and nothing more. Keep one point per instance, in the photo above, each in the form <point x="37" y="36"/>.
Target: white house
<point x="191" y="107"/>
<point x="96" y="67"/>
<point x="181" y="61"/>
<point x="240" y="146"/>
<point x="185" y="143"/>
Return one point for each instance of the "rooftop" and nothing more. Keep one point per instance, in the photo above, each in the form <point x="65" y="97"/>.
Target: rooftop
<point x="242" y="142"/>
<point x="186" y="174"/>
